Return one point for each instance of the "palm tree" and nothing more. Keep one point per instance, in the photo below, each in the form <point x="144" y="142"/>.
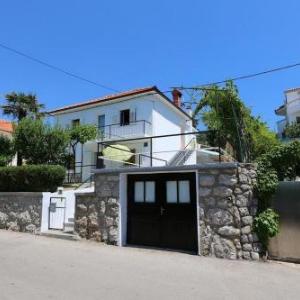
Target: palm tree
<point x="20" y="106"/>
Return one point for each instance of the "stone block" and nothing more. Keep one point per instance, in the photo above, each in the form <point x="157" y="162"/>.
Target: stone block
<point x="204" y="192"/>
<point x="222" y="191"/>
<point x="219" y="217"/>
<point x="206" y="180"/>
<point x="244" y="211"/>
<point x="228" y="180"/>
<point x="254" y="255"/>
<point x="246" y="255"/>
<point x="224" y="248"/>
<point x="244" y="239"/>
<point x="3" y="220"/>
<point x="229" y="231"/>
<point x="247" y="247"/>
<point x="246" y="229"/>
<point x="247" y="220"/>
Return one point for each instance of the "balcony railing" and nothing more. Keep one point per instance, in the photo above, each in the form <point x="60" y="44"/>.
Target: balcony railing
<point x="118" y="131"/>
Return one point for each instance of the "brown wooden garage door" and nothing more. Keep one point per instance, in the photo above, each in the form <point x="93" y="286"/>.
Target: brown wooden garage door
<point x="162" y="210"/>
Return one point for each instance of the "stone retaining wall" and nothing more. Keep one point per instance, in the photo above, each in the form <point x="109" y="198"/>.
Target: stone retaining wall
<point x="21" y="211"/>
<point x="226" y="207"/>
<point x="97" y="214"/>
<point x="226" y="210"/>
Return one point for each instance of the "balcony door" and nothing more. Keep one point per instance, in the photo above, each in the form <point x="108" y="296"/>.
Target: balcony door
<point x="101" y="124"/>
<point x="124" y="117"/>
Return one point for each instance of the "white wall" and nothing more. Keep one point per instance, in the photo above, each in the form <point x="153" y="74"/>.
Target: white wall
<point x="292" y="105"/>
<point x="163" y="116"/>
<point x="142" y="106"/>
<point x="167" y="121"/>
<point x="69" y="211"/>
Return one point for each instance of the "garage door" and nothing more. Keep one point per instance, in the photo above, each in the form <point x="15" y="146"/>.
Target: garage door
<point x="162" y="211"/>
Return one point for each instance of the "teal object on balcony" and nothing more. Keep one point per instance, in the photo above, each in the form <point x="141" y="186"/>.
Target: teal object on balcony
<point x="117" y="152"/>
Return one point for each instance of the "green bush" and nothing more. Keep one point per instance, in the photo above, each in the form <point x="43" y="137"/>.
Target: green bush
<point x="31" y="178"/>
<point x="266" y="225"/>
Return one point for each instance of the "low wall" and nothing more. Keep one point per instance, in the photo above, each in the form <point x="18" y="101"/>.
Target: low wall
<point x="226" y="207"/>
<point x="97" y="214"/>
<point x="286" y="245"/>
<point x="21" y="211"/>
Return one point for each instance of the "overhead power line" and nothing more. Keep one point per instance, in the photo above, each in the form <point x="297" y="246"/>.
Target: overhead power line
<point x="200" y="86"/>
<point x="56" y="68"/>
<point x="242" y="77"/>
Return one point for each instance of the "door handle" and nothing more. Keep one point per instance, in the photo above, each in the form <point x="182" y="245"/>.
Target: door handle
<point x="162" y="210"/>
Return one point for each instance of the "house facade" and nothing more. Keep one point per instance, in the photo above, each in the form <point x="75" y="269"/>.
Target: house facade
<point x="289" y="111"/>
<point x="150" y="125"/>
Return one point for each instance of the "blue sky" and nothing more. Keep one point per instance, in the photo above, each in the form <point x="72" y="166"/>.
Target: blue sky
<point x="129" y="44"/>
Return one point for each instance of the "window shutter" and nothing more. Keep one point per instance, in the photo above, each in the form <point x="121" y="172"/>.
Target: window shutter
<point x="132" y="114"/>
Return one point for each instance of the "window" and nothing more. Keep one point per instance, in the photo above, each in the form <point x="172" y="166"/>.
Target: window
<point x="171" y="191"/>
<point x="178" y="191"/>
<point x="75" y="122"/>
<point x="298" y="120"/>
<point x="144" y="192"/>
<point x="124" y="117"/>
<point x="101" y="123"/>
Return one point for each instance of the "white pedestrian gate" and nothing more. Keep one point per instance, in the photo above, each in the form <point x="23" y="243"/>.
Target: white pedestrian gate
<point x="57" y="210"/>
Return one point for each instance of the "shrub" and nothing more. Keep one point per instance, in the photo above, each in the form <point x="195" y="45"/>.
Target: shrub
<point x="31" y="178"/>
<point x="266" y="225"/>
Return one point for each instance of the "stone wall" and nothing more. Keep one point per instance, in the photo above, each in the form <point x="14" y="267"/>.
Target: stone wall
<point x="97" y="214"/>
<point x="21" y="211"/>
<point x="226" y="210"/>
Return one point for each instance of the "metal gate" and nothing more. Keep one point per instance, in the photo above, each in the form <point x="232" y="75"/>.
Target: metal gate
<point x="57" y="210"/>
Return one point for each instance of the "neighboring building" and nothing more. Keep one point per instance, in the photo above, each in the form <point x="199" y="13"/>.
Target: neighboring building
<point x="131" y="119"/>
<point x="6" y="128"/>
<point x="290" y="110"/>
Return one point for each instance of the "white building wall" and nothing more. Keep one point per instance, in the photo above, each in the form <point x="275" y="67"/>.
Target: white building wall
<point x="142" y="106"/>
<point x="292" y="106"/>
<point x="167" y="121"/>
<point x="163" y="116"/>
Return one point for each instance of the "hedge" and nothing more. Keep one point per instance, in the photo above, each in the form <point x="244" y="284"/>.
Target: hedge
<point x="31" y="178"/>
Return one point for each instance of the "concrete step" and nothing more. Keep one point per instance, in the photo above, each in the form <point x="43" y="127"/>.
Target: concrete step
<point x="71" y="220"/>
<point x="69" y="224"/>
<point x="61" y="235"/>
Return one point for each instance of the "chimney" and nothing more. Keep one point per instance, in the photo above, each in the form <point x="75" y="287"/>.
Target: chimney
<point x="176" y="97"/>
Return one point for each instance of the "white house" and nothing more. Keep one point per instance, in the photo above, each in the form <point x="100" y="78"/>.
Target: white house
<point x="290" y="110"/>
<point x="144" y="120"/>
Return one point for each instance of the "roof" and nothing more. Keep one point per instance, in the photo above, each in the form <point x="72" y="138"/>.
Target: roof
<point x="292" y="90"/>
<point x="280" y="110"/>
<point x="6" y="126"/>
<point x="130" y="93"/>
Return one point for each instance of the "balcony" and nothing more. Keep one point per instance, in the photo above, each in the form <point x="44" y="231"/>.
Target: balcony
<point x="133" y="129"/>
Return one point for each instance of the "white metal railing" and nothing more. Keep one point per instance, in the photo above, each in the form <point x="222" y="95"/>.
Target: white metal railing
<point x="121" y="131"/>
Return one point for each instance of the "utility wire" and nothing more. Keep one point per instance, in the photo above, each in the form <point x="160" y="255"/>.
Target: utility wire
<point x="56" y="68"/>
<point x="198" y="87"/>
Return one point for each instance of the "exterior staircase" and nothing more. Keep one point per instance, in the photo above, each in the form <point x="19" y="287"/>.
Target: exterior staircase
<point x="69" y="226"/>
<point x="181" y="157"/>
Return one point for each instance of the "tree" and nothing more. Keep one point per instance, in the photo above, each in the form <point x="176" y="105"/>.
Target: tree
<point x="292" y="130"/>
<point x="39" y="143"/>
<point x="80" y="134"/>
<point x="6" y="150"/>
<point x="19" y="106"/>
<point x="231" y="123"/>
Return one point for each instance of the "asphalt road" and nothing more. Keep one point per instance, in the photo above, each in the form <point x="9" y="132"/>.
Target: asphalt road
<point x="35" y="267"/>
